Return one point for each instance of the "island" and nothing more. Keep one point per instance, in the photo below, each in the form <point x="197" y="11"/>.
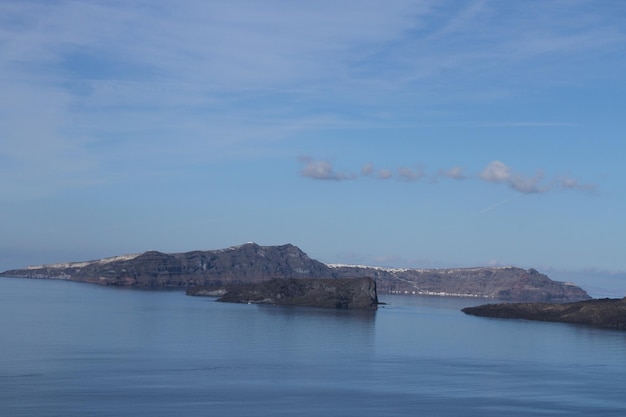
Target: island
<point x="252" y="263"/>
<point x="344" y="293"/>
<point x="605" y="312"/>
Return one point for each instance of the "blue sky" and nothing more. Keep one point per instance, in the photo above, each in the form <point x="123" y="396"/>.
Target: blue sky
<point x="399" y="133"/>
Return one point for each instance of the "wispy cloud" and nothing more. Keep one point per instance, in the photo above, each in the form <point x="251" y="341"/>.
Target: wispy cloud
<point x="456" y="173"/>
<point x="410" y="174"/>
<point x="528" y="185"/>
<point x="494" y="38"/>
<point x="367" y="169"/>
<point x="492" y="207"/>
<point x="105" y="79"/>
<point x="525" y="124"/>
<point x="499" y="172"/>
<point x="496" y="172"/>
<point x="321" y="170"/>
<point x="573" y="184"/>
<point x="384" y="174"/>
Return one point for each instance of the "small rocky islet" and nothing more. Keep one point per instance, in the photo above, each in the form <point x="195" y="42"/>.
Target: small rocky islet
<point x="342" y="293"/>
<point x="607" y="313"/>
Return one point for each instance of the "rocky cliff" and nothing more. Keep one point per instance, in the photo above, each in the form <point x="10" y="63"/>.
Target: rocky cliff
<point x="606" y="312"/>
<point x="352" y="293"/>
<point x="502" y="283"/>
<point x="239" y="264"/>
<point x="250" y="263"/>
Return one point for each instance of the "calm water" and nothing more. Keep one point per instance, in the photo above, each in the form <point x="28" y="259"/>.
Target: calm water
<point x="69" y="349"/>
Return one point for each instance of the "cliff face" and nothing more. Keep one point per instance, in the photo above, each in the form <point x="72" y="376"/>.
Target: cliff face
<point x="609" y="313"/>
<point x="503" y="283"/>
<point x="240" y="264"/>
<point x="251" y="263"/>
<point x="352" y="293"/>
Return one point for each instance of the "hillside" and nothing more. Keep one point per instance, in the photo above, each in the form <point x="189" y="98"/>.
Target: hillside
<point x="239" y="264"/>
<point x="503" y="283"/>
<point x="251" y="263"/>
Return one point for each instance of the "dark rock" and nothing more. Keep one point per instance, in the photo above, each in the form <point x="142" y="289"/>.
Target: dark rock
<point x="502" y="283"/>
<point x="240" y="264"/>
<point x="251" y="263"/>
<point x="352" y="293"/>
<point x="606" y="312"/>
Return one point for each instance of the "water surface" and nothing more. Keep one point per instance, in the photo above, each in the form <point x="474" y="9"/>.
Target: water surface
<point x="71" y="349"/>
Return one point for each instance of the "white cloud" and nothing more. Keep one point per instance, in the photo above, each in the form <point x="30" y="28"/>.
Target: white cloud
<point x="385" y="174"/>
<point x="321" y="170"/>
<point x="528" y="185"/>
<point x="201" y="78"/>
<point x="148" y="84"/>
<point x="456" y="173"/>
<point x="496" y="171"/>
<point x="367" y="169"/>
<point x="569" y="183"/>
<point x="410" y="174"/>
<point x="499" y="172"/>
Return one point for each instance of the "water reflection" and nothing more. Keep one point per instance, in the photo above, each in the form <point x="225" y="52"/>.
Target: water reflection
<point x="73" y="350"/>
<point x="455" y="303"/>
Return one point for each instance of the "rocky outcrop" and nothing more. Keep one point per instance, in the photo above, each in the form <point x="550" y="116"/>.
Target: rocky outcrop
<point x="606" y="312"/>
<point x="352" y="293"/>
<point x="251" y="263"/>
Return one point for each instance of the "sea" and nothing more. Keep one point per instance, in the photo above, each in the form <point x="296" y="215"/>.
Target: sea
<point x="72" y="349"/>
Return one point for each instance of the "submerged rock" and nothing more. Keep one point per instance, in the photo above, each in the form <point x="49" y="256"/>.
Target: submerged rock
<point x="352" y="293"/>
<point x="605" y="312"/>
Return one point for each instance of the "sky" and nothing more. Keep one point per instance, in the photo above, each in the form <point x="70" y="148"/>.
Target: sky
<point x="423" y="134"/>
